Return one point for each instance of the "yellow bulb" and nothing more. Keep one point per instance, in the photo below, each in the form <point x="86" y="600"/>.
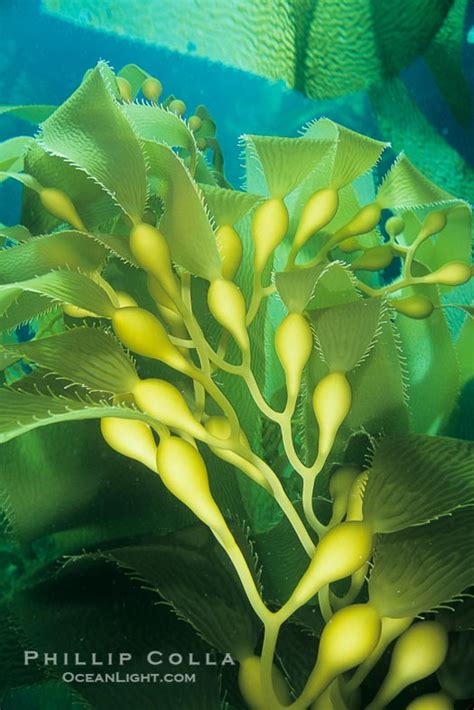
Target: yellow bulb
<point x="434" y="223"/>
<point x="125" y="300"/>
<point x="350" y="245"/>
<point x="340" y="485"/>
<point x="318" y="211"/>
<point x="418" y="653"/>
<point x="152" y="253"/>
<point x="131" y="438"/>
<point x="77" y="312"/>
<point x="374" y="259"/>
<point x="194" y="123"/>
<point x="158" y="293"/>
<point x="250" y="684"/>
<point x="61" y="206"/>
<point x="269" y="227"/>
<point x="230" y="250"/>
<point x="431" y="701"/>
<point x="125" y="89"/>
<point x="219" y="427"/>
<point x="355" y="499"/>
<point x="227" y="305"/>
<point x="454" y="273"/>
<point x="141" y="332"/>
<point x="364" y="221"/>
<point x="347" y="640"/>
<point x="394" y="226"/>
<point x="152" y="88"/>
<point x="164" y="402"/>
<point x="177" y="106"/>
<point x="183" y="471"/>
<point x="294" y="344"/>
<point x="332" y="399"/>
<point x="340" y="553"/>
<point x="201" y="143"/>
<point x="417" y="307"/>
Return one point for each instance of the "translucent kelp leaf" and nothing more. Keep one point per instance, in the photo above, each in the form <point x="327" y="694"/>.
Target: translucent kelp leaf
<point x="324" y="50"/>
<point x="404" y="187"/>
<point x="22" y="411"/>
<point x="405" y="469"/>
<point x="86" y="131"/>
<point x="296" y="287"/>
<point x="188" y="231"/>
<point x="421" y="568"/>
<point x="285" y="162"/>
<point x="61" y="287"/>
<point x="17" y="233"/>
<point x="194" y="576"/>
<point x="68" y="249"/>
<point x="353" y="154"/>
<point x="431" y="365"/>
<point x="345" y="333"/>
<point x="444" y="56"/>
<point x="158" y="124"/>
<point x="400" y="118"/>
<point x="11" y="153"/>
<point x="86" y="356"/>
<point x="32" y="114"/>
<point x="464" y="350"/>
<point x="27" y="306"/>
<point x="228" y="206"/>
<point x="93" y="204"/>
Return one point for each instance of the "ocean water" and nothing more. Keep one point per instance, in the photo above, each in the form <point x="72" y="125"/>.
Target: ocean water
<point x="43" y="59"/>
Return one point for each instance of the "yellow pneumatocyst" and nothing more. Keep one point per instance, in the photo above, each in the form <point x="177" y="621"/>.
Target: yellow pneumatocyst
<point x="151" y="251"/>
<point x="454" y="273"/>
<point x="294" y="344"/>
<point x="61" y="206"/>
<point x="177" y="106"/>
<point x="131" y="438"/>
<point x="374" y="259"/>
<point x="163" y="401"/>
<point x="250" y="684"/>
<point x="340" y="553"/>
<point x="125" y="89"/>
<point x="332" y="399"/>
<point x="434" y="222"/>
<point x="347" y="640"/>
<point x="152" y="88"/>
<point x="194" y="123"/>
<point x="318" y="211"/>
<point x="394" y="226"/>
<point x="125" y="300"/>
<point x="340" y="485"/>
<point x="269" y="227"/>
<point x="364" y="221"/>
<point x="355" y="499"/>
<point x="77" y="312"/>
<point x="417" y="307"/>
<point x="230" y="250"/>
<point x="418" y="653"/>
<point x="183" y="471"/>
<point x="431" y="701"/>
<point x="219" y="427"/>
<point x="141" y="332"/>
<point x="227" y="305"/>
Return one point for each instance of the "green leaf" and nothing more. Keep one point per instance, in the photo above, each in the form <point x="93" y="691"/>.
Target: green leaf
<point x="405" y="187"/>
<point x="321" y="286"/>
<point x="464" y="350"/>
<point x="18" y="233"/>
<point x="352" y="154"/>
<point x="455" y="675"/>
<point x="11" y="153"/>
<point x="61" y="287"/>
<point x="94" y="205"/>
<point x="228" y="206"/>
<point x="190" y="570"/>
<point x="416" y="478"/>
<point x="346" y="333"/>
<point x="69" y="249"/>
<point x="188" y="231"/>
<point x="421" y="568"/>
<point x="296" y="287"/>
<point x="86" y="131"/>
<point x="154" y="123"/>
<point x="285" y="162"/>
<point x="33" y="114"/>
<point x="86" y="356"/>
<point x="460" y="617"/>
<point x="27" y="306"/>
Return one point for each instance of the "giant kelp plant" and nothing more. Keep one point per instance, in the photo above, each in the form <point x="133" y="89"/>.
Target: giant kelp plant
<point x="277" y="365"/>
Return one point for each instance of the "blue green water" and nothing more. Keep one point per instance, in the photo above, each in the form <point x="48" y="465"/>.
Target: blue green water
<point x="43" y="59"/>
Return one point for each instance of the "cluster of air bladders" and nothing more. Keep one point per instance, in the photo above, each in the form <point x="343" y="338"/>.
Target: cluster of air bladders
<point x="355" y="635"/>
